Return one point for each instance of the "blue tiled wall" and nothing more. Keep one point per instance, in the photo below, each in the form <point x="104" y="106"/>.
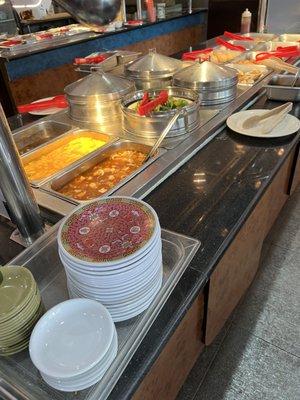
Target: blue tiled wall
<point x="35" y="63"/>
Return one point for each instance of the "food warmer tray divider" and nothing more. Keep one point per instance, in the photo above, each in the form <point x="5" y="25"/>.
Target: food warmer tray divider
<point x="43" y="261"/>
<point x="65" y="177"/>
<point x="65" y="138"/>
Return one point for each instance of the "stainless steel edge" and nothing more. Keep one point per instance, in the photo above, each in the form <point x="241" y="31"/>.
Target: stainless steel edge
<point x="172" y="160"/>
<point x="47" y="187"/>
<point x="147" y="180"/>
<point x="38" y="183"/>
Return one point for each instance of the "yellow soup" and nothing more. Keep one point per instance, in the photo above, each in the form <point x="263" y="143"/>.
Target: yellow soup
<point x="48" y="164"/>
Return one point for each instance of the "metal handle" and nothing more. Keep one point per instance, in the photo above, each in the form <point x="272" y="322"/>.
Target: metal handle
<point x="163" y="135"/>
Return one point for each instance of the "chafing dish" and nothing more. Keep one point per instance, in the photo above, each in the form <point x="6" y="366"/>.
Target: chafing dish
<point x="153" y="70"/>
<point x="249" y="45"/>
<point x="151" y="126"/>
<point x="215" y="84"/>
<point x="106" y="65"/>
<point x="31" y="137"/>
<point x="289" y="37"/>
<point x="126" y="56"/>
<point x="271" y="46"/>
<point x="63" y="140"/>
<point x="262" y="71"/>
<point x="279" y="88"/>
<point x="62" y="179"/>
<point x="261" y="37"/>
<point x="96" y="99"/>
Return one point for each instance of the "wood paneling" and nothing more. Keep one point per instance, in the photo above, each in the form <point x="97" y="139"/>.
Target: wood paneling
<point x="236" y="270"/>
<point x="52" y="81"/>
<point x="170" y="370"/>
<point x="295" y="178"/>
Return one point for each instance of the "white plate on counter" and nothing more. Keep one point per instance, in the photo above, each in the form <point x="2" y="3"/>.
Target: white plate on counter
<point x="47" y="111"/>
<point x="288" y="126"/>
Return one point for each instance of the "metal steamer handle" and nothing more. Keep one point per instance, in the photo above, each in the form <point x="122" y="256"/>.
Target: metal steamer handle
<point x="163" y="135"/>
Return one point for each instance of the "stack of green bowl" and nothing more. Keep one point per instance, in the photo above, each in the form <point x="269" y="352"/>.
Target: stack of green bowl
<point x="20" y="308"/>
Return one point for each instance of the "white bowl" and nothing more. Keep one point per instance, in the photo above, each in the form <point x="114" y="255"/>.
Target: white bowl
<point x="71" y="338"/>
<point x="88" y="378"/>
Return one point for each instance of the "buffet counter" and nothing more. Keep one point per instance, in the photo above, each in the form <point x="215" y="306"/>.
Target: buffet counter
<point x="25" y="74"/>
<point x="221" y="193"/>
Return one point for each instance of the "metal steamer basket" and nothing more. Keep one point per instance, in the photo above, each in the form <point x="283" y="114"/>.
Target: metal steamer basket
<point x="150" y="127"/>
<point x="215" y="84"/>
<point x="95" y="99"/>
<point x="153" y="70"/>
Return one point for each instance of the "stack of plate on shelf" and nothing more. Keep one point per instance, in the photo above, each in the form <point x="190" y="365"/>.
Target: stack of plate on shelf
<point x="20" y="308"/>
<point x="74" y="344"/>
<point x="112" y="252"/>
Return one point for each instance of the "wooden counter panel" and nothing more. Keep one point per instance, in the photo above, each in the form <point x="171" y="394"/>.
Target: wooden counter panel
<point x="53" y="81"/>
<point x="295" y="179"/>
<point x="236" y="270"/>
<point x="170" y="370"/>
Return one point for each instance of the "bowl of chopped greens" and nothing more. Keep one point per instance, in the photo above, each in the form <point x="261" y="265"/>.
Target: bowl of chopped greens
<point x="146" y="113"/>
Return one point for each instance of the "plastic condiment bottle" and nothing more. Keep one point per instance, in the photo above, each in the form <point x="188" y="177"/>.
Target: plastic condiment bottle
<point x="246" y="21"/>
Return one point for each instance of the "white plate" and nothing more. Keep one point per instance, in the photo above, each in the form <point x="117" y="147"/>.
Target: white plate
<point x="116" y="279"/>
<point x="71" y="338"/>
<point x="289" y="125"/>
<point x="111" y="271"/>
<point x="117" y="296"/>
<point x="98" y="369"/>
<point x="123" y="313"/>
<point x="88" y="380"/>
<point x="47" y="111"/>
<point x="123" y="290"/>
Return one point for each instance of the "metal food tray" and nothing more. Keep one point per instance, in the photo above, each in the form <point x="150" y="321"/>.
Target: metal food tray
<point x="62" y="179"/>
<point x="106" y="65"/>
<point x="55" y="144"/>
<point x="264" y="36"/>
<point x="248" y="68"/>
<point x="18" y="374"/>
<point x="279" y="88"/>
<point x="249" y="45"/>
<point x="33" y="136"/>
<point x="289" y="37"/>
<point x="271" y="46"/>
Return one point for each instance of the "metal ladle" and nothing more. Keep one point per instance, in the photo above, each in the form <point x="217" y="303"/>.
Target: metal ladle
<point x="94" y="13"/>
<point x="162" y="136"/>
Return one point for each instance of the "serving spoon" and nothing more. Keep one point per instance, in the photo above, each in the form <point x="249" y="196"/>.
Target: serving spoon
<point x="162" y="136"/>
<point x="269" y="119"/>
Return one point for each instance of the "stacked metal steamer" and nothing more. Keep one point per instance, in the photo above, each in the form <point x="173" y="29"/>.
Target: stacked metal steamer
<point x="215" y="84"/>
<point x="154" y="72"/>
<point x="95" y="100"/>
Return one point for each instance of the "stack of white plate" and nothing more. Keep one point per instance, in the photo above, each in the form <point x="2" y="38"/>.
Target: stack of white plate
<point x="112" y="252"/>
<point x="73" y="344"/>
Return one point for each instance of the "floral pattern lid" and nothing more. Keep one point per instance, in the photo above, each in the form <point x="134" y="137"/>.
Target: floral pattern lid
<point x="108" y="229"/>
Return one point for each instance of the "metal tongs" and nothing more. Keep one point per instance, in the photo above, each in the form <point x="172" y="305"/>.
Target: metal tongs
<point x="56" y="102"/>
<point x="235" y="36"/>
<point x="147" y="105"/>
<point x="286" y="53"/>
<point x="228" y="45"/>
<point x="90" y="60"/>
<point x="196" y="54"/>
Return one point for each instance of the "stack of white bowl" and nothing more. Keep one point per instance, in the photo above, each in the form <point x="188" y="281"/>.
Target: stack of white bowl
<point x="73" y="344"/>
<point x="112" y="252"/>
